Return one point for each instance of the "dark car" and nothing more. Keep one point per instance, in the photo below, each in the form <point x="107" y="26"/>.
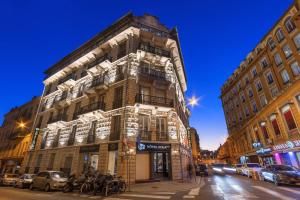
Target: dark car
<point x="201" y="170"/>
<point x="281" y="174"/>
<point x="217" y="168"/>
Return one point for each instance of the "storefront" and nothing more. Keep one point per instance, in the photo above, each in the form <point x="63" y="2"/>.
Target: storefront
<point x="10" y="165"/>
<point x="89" y="157"/>
<point x="153" y="161"/>
<point x="265" y="156"/>
<point x="288" y="153"/>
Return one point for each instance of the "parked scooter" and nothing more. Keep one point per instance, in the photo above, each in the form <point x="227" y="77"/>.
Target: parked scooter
<point x="72" y="184"/>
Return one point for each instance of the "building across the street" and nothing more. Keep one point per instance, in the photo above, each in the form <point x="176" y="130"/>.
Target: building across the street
<point x="15" y="135"/>
<point x="116" y="104"/>
<point x="195" y="145"/>
<point x="261" y="99"/>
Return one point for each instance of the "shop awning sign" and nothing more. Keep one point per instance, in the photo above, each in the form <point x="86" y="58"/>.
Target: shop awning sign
<point x="263" y="151"/>
<point x="152" y="147"/>
<point x="287" y="145"/>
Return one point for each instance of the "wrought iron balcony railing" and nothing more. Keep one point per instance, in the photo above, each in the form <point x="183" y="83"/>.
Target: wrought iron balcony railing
<point x="68" y="77"/>
<point x="162" y="136"/>
<point x="91" y="107"/>
<point x="154" y="100"/>
<point x="145" y="135"/>
<point x="60" y="117"/>
<point x="152" y="73"/>
<point x="155" y="50"/>
<point x="99" y="60"/>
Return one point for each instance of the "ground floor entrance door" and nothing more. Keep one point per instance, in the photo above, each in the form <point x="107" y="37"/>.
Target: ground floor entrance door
<point x="160" y="165"/>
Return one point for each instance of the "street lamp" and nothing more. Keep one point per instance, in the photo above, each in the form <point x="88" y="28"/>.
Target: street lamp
<point x="193" y="101"/>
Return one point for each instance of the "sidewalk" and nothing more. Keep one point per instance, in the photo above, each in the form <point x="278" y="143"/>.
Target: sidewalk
<point x="166" y="186"/>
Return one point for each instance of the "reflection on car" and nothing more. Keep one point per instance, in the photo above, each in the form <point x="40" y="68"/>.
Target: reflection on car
<point x="251" y="168"/>
<point x="239" y="168"/>
<point x="49" y="180"/>
<point x="229" y="169"/>
<point x="281" y="174"/>
<point x="218" y="168"/>
<point x="24" y="181"/>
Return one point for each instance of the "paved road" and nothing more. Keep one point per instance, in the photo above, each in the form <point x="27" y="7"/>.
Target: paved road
<point x="215" y="187"/>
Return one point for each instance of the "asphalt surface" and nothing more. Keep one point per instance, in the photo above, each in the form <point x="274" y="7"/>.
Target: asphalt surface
<point x="214" y="187"/>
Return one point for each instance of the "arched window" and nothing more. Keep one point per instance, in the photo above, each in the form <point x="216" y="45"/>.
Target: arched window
<point x="279" y="35"/>
<point x="289" y="24"/>
<point x="271" y="43"/>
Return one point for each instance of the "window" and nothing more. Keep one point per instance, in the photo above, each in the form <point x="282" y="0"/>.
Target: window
<point x="115" y="128"/>
<point x="288" y="116"/>
<point x="271" y="43"/>
<point x="51" y="161"/>
<point x="277" y="59"/>
<point x="161" y="128"/>
<point x="121" y="50"/>
<point x="254" y="72"/>
<point x="247" y="111"/>
<point x="298" y="99"/>
<point x="264" y="63"/>
<point x="258" y="86"/>
<point x="275" y="125"/>
<point x="263" y="100"/>
<point x="279" y="35"/>
<point x="289" y="25"/>
<point x="297" y="41"/>
<point x="274" y="92"/>
<point x="250" y="92"/>
<point x="285" y="76"/>
<point x="92" y="133"/>
<point x="269" y="78"/>
<point x="265" y="131"/>
<point x="287" y="51"/>
<point x="295" y="68"/>
<point x="246" y="80"/>
<point x="144" y="127"/>
<point x="118" y="97"/>
<point x="254" y="107"/>
<point x="243" y="98"/>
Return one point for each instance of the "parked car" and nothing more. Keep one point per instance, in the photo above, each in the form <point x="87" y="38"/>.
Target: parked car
<point x="9" y="179"/>
<point x="24" y="181"/>
<point x="218" y="168"/>
<point x="239" y="168"/>
<point x="229" y="169"/>
<point x="49" y="180"/>
<point x="250" y="168"/>
<point x="201" y="170"/>
<point x="281" y="174"/>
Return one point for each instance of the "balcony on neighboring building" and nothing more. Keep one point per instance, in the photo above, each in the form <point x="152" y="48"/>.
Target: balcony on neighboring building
<point x="66" y="82"/>
<point x="154" y="100"/>
<point x="98" y="83"/>
<point x="151" y="73"/>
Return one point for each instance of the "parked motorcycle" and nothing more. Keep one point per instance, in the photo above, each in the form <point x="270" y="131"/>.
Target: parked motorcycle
<point x="72" y="184"/>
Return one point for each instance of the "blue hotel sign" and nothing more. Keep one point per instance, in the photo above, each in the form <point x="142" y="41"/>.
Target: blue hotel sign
<point x="152" y="147"/>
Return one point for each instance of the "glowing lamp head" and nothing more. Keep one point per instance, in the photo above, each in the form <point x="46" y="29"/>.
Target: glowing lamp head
<point x="193" y="101"/>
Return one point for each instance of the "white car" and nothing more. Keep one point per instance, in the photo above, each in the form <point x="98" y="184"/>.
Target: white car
<point x="239" y="168"/>
<point x="250" y="168"/>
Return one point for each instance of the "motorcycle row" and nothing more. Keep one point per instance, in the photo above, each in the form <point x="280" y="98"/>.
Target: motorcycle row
<point x="95" y="183"/>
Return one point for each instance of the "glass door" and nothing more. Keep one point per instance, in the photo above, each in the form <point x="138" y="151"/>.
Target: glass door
<point x="160" y="166"/>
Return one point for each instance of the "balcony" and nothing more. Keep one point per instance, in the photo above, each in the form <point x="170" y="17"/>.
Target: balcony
<point x="145" y="135"/>
<point x="55" y="142"/>
<point x="154" y="50"/>
<point x="152" y="73"/>
<point x="117" y="104"/>
<point x="57" y="121"/>
<point x="98" y="84"/>
<point x="154" y="100"/>
<point x="66" y="82"/>
<point x="71" y="140"/>
<point x="90" y="110"/>
<point x="99" y="65"/>
<point x="61" y="101"/>
<point x="91" y="138"/>
<point x="162" y="136"/>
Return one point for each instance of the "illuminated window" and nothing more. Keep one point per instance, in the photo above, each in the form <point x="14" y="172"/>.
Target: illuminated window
<point x="285" y="76"/>
<point x="295" y="68"/>
<point x="288" y="116"/>
<point x="277" y="59"/>
<point x="275" y="125"/>
<point x="287" y="51"/>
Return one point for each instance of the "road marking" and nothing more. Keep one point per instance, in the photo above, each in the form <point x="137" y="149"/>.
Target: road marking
<point x="290" y="190"/>
<point x="194" y="192"/>
<point x="243" y="192"/>
<point x="95" y="197"/>
<point x="166" y="193"/>
<point x="188" y="197"/>
<point x="271" y="192"/>
<point x="147" y="196"/>
<point x="112" y="198"/>
<point x="84" y="195"/>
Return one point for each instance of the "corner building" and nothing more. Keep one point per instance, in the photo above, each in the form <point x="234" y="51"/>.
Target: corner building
<point x="261" y="99"/>
<point x="116" y="104"/>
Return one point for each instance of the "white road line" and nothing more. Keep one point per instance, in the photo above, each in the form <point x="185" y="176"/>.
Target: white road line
<point x="95" y="197"/>
<point x="84" y="195"/>
<point x="188" y="197"/>
<point x="194" y="192"/>
<point x="290" y="190"/>
<point x="243" y="192"/>
<point x="166" y="193"/>
<point x="147" y="196"/>
<point x="275" y="194"/>
<point x="112" y="198"/>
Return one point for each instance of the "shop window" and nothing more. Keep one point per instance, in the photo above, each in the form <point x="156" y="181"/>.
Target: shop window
<point x="115" y="128"/>
<point x="289" y="119"/>
<point x="112" y="162"/>
<point x="51" y="161"/>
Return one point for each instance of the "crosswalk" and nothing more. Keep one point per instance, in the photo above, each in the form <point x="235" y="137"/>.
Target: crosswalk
<point x="236" y="192"/>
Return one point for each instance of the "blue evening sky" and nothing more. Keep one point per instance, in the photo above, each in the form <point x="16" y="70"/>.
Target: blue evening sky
<point x="215" y="37"/>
